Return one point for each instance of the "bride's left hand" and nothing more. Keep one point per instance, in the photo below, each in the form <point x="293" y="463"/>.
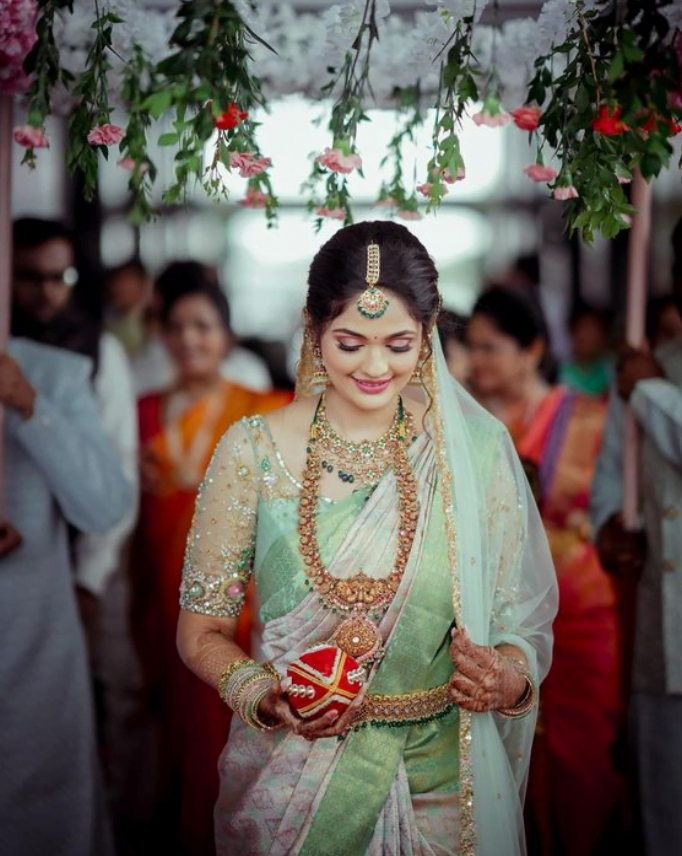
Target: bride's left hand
<point x="483" y="679"/>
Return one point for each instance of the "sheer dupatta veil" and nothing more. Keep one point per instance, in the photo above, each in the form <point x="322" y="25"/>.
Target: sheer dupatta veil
<point x="504" y="590"/>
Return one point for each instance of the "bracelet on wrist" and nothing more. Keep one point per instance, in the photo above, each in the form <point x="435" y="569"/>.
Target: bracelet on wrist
<point x="527" y="701"/>
<point x="231" y="670"/>
<point x="243" y="685"/>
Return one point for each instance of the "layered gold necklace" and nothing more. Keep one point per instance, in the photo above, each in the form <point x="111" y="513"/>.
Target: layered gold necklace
<point x="359" y="598"/>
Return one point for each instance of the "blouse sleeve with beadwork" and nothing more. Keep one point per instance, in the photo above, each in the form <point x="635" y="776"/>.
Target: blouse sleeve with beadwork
<point x="221" y="542"/>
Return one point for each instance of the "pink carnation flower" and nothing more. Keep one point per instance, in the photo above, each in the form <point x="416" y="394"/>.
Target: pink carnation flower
<point x="248" y="164"/>
<point x="491" y="114"/>
<point x="490" y="120"/>
<point x="30" y="137"/>
<point x="526" y="118"/>
<point x="425" y="189"/>
<point x="131" y="165"/>
<point x="106" y="135"/>
<point x="386" y="202"/>
<point x="17" y="37"/>
<point x="254" y="199"/>
<point x="459" y="175"/>
<point x="538" y="172"/>
<point x="406" y="214"/>
<point x="565" y="192"/>
<point x="331" y="213"/>
<point x="337" y="161"/>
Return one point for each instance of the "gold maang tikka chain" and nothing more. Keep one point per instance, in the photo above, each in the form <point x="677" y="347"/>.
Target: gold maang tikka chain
<point x="372" y="303"/>
<point x="358" y="598"/>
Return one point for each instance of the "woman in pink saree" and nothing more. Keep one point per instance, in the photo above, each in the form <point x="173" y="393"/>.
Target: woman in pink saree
<point x="575" y="790"/>
<point x="380" y="514"/>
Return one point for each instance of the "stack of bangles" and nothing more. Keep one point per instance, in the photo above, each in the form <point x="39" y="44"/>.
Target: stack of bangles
<point x="527" y="701"/>
<point x="243" y="685"/>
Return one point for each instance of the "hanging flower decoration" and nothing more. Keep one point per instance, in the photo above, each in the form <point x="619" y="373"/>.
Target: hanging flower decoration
<point x="340" y="159"/>
<point x="491" y="115"/>
<point x="106" y="135"/>
<point x="17" y="37"/>
<point x="564" y="192"/>
<point x="600" y="93"/>
<point x="248" y="164"/>
<point x="331" y="213"/>
<point x="540" y="173"/>
<point x="30" y="137"/>
<point x="609" y="122"/>
<point x="254" y="198"/>
<point x="232" y="117"/>
<point x="526" y="118"/>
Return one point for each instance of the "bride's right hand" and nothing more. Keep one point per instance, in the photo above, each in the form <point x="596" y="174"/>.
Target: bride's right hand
<point x="274" y="708"/>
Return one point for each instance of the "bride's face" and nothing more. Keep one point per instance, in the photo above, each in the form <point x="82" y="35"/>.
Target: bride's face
<point x="370" y="361"/>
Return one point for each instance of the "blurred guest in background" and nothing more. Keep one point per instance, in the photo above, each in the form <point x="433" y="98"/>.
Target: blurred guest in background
<point x="154" y="368"/>
<point x="52" y="302"/>
<point x="452" y="332"/>
<point x="663" y="320"/>
<point x="574" y="788"/>
<point x="60" y="470"/>
<point x="652" y="385"/>
<point x="526" y="274"/>
<point x="590" y="369"/>
<point x="128" y="300"/>
<point x="179" y="428"/>
<point x="48" y="306"/>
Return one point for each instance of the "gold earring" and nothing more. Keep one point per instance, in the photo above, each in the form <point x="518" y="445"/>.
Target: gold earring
<point x="417" y="378"/>
<point x="319" y="376"/>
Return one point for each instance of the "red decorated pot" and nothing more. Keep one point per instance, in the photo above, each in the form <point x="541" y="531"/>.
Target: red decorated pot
<point x="324" y="679"/>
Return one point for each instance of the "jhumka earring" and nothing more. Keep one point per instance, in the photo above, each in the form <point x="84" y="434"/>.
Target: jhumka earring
<point x="372" y="303"/>
<point x="319" y="376"/>
<point x="312" y="373"/>
<point x="417" y="378"/>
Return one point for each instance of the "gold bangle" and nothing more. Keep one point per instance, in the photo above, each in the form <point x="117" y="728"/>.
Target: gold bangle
<point x="271" y="670"/>
<point x="232" y="668"/>
<point x="525" y="705"/>
<point x="251" y="717"/>
<point x="256" y="678"/>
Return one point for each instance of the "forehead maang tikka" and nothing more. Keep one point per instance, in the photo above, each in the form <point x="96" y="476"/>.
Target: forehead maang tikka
<point x="372" y="303"/>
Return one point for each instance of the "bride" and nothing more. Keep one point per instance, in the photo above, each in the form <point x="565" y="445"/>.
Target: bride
<point x="406" y="587"/>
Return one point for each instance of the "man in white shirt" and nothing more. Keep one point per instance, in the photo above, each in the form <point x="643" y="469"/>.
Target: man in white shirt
<point x="60" y="470"/>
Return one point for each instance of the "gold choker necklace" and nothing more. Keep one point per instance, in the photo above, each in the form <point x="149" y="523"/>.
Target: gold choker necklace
<point x="362" y="462"/>
<point x="357" y="597"/>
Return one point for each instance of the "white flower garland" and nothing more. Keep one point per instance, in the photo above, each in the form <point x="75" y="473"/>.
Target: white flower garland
<point x="308" y="44"/>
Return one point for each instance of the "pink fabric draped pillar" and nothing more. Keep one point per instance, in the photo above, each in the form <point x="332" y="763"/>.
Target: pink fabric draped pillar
<point x="634" y="333"/>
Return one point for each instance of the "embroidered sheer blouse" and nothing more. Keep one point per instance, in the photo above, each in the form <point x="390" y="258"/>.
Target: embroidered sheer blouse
<point x="246" y="468"/>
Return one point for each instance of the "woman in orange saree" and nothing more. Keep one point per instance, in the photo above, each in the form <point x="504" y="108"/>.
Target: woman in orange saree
<point x="575" y="790"/>
<point x="179" y="428"/>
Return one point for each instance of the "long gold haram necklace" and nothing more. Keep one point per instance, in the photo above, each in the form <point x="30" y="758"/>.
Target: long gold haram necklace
<point x="359" y="597"/>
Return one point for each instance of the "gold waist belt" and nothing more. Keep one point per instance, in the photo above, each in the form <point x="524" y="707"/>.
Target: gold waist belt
<point x="406" y="709"/>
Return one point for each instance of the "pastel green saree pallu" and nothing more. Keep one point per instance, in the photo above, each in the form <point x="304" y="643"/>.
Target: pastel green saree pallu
<point x="367" y="767"/>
